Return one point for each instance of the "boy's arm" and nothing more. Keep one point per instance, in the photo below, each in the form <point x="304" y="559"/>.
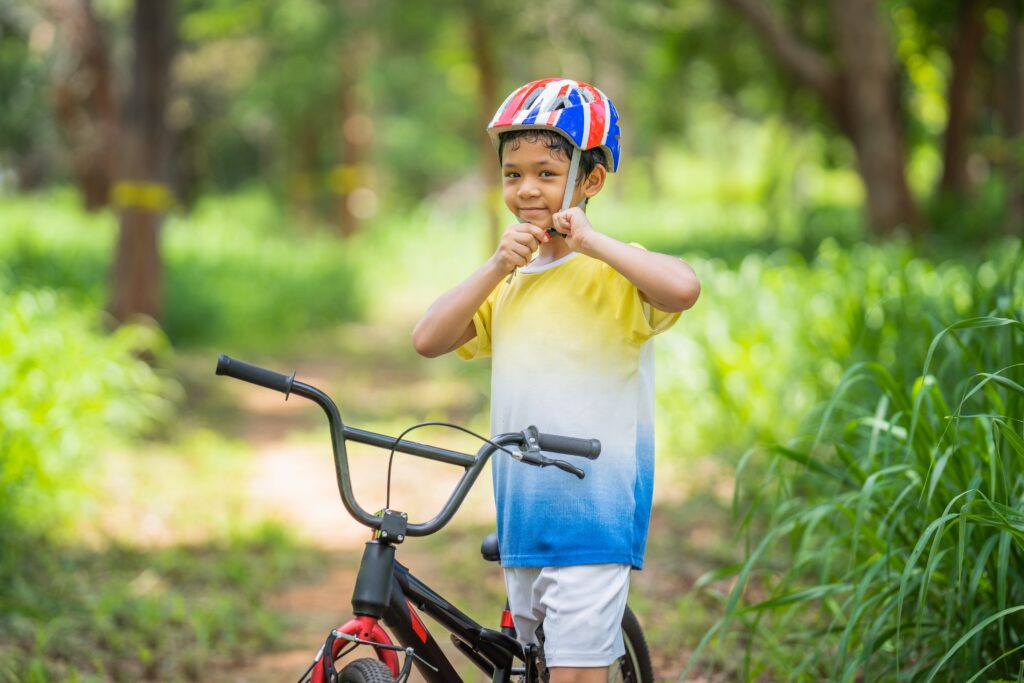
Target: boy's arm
<point x="448" y="323"/>
<point x="666" y="282"/>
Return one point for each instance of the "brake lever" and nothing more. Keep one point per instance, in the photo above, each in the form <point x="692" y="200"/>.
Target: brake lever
<point x="533" y="455"/>
<point x="566" y="467"/>
<point x="540" y="460"/>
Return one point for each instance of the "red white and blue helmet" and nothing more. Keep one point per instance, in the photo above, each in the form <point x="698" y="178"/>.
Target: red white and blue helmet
<point x="576" y="110"/>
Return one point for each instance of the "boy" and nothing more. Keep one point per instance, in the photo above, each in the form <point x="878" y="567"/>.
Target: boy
<point x="568" y="332"/>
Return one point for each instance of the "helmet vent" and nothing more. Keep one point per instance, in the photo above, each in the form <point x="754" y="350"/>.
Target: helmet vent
<point x="531" y="98"/>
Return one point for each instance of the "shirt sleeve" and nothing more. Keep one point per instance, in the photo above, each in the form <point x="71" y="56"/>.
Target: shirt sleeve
<point x="645" y="320"/>
<point x="480" y="345"/>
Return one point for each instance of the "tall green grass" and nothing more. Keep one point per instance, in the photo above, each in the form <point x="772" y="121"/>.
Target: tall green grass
<point x="768" y="340"/>
<point x="887" y="543"/>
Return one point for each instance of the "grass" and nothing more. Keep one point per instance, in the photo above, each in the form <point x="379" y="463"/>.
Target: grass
<point x="127" y="614"/>
<point x="894" y="548"/>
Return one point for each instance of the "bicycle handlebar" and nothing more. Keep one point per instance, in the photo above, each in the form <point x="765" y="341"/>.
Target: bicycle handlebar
<point x="567" y="445"/>
<point x="530" y="440"/>
<point x="254" y="374"/>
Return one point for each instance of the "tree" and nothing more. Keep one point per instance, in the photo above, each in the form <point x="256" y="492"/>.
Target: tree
<point x="481" y="38"/>
<point x="860" y="92"/>
<point x="84" y="99"/>
<point x="354" y="201"/>
<point x="141" y="193"/>
<point x="964" y="53"/>
<point x="1013" y="116"/>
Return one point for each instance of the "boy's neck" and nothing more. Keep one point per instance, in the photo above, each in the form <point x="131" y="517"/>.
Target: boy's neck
<point x="551" y="251"/>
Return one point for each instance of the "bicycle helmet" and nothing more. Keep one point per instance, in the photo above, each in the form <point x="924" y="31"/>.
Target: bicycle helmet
<point x="576" y="110"/>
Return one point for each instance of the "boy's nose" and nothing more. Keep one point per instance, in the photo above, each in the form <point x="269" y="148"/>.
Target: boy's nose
<point x="528" y="189"/>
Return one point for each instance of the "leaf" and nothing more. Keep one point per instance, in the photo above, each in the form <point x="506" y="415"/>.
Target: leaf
<point x="967" y="636"/>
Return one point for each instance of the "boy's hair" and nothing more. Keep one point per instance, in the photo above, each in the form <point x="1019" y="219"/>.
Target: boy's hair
<point x="589" y="159"/>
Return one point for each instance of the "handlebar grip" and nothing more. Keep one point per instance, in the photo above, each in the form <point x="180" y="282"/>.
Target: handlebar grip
<point x="569" y="445"/>
<point x="255" y="374"/>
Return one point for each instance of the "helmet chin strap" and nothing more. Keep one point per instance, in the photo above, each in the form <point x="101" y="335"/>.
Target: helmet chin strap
<point x="570" y="183"/>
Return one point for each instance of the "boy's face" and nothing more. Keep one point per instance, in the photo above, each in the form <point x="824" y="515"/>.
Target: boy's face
<point x="533" y="181"/>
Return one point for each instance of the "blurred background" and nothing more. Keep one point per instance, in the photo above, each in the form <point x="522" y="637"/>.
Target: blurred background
<point x="839" y="488"/>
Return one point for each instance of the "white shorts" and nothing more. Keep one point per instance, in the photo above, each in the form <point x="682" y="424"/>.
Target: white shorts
<point x="580" y="607"/>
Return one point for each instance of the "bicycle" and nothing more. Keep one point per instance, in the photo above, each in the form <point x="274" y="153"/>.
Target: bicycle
<point x="387" y="593"/>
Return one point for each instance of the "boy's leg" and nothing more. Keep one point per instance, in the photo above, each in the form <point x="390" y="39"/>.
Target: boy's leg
<point x="572" y="674"/>
<point x="581" y="610"/>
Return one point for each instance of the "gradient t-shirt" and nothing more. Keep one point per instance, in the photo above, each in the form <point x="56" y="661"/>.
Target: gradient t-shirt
<point x="571" y="349"/>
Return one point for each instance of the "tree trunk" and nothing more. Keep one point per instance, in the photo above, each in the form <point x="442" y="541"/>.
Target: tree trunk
<point x="963" y="55"/>
<point x="481" y="41"/>
<point x="141" y="192"/>
<point x="1015" y="120"/>
<point x="304" y="158"/>
<point x="84" y="101"/>
<point x="861" y="94"/>
<point x="871" y="108"/>
<point x="350" y="178"/>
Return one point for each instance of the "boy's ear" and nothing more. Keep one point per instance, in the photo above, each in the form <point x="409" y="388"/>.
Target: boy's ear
<point x="595" y="181"/>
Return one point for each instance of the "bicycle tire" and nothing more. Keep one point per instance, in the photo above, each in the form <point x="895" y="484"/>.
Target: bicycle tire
<point x="366" y="670"/>
<point x="635" y="665"/>
<point x="632" y="667"/>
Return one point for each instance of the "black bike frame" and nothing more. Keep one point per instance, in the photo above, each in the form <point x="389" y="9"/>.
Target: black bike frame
<point x="385" y="590"/>
<point x="493" y="652"/>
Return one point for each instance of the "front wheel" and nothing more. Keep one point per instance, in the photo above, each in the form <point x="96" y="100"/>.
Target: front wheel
<point x="635" y="665"/>
<point x="366" y="671"/>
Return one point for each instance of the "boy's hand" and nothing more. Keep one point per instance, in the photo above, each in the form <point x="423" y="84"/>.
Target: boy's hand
<point x="517" y="245"/>
<point x="573" y="224"/>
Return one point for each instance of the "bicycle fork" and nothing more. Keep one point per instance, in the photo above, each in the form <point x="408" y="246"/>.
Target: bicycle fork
<point x="369" y="600"/>
<point x="378" y="597"/>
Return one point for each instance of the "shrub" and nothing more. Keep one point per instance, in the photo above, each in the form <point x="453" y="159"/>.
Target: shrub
<point x="67" y="387"/>
<point x="893" y="543"/>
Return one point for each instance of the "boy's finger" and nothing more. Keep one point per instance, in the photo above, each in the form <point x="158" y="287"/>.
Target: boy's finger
<point x="526" y="238"/>
<point x="562" y="221"/>
<point x="523" y="250"/>
<point x="540" y="234"/>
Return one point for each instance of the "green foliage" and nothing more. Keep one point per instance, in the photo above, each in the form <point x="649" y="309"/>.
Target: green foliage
<point x="50" y="242"/>
<point x="892" y="544"/>
<point x="128" y="615"/>
<point x="238" y="273"/>
<point x="769" y="340"/>
<point x="236" y="270"/>
<point x="68" y="388"/>
<point x="23" y="120"/>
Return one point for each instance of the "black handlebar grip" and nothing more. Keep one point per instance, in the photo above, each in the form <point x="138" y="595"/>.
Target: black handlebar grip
<point x="569" y="445"/>
<point x="255" y="374"/>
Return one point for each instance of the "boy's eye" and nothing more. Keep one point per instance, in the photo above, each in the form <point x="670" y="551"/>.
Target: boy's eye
<point x="547" y="174"/>
<point x="511" y="174"/>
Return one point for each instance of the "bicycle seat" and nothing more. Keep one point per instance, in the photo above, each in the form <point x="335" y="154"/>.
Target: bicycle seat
<point x="489" y="547"/>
